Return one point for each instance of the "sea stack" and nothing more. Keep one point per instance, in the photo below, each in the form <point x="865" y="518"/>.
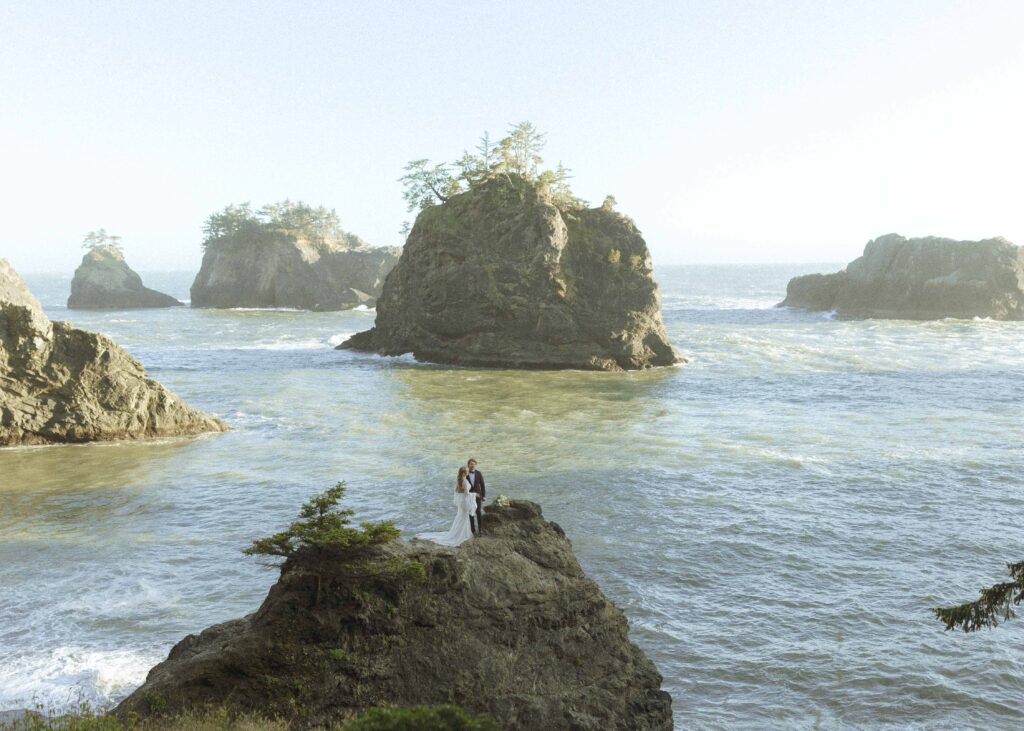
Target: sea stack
<point x="104" y="281"/>
<point x="287" y="255"/>
<point x="920" y="279"/>
<point x="506" y="624"/>
<point x="60" y="384"/>
<point x="502" y="276"/>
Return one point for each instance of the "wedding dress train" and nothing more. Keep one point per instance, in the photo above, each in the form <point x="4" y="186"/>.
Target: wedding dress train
<point x="461" y="531"/>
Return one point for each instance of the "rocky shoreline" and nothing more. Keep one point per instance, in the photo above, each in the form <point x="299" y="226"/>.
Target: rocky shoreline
<point x="65" y="385"/>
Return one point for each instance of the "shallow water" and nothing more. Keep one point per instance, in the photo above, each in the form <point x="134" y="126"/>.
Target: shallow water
<point x="775" y="518"/>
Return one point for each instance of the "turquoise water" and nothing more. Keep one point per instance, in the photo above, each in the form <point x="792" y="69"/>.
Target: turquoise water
<point x="775" y="518"/>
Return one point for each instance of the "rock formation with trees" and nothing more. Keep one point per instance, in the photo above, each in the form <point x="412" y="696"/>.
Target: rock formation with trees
<point x="506" y="267"/>
<point x="287" y="254"/>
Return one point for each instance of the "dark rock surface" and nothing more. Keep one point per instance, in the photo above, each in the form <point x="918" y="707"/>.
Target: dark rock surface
<point x="279" y="269"/>
<point x="104" y="281"/>
<point x="59" y="384"/>
<point x="506" y="624"/>
<point x="501" y="276"/>
<point x="920" y="279"/>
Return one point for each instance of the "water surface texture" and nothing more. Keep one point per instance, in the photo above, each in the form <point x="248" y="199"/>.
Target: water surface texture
<point x="775" y="518"/>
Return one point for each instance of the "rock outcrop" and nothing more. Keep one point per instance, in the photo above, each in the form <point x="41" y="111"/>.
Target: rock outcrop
<point x="920" y="279"/>
<point x="506" y="624"/>
<point x="104" y="281"/>
<point x="273" y="268"/>
<point x="502" y="276"/>
<point x="59" y="384"/>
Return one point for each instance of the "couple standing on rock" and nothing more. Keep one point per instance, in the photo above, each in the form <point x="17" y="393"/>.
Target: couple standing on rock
<point x="469" y="501"/>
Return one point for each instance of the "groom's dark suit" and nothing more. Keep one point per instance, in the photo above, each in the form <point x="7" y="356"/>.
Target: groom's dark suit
<point x="476" y="479"/>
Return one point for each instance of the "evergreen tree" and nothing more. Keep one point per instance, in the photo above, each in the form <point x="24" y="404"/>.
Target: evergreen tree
<point x="487" y="153"/>
<point x="232" y="220"/>
<point x="100" y="237"/>
<point x="426" y="184"/>
<point x="521" y="149"/>
<point x="322" y="525"/>
<point x="518" y="153"/>
<point x="995" y="605"/>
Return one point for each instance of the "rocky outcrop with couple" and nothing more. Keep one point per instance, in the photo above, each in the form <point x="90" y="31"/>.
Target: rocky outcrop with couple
<point x="504" y="276"/>
<point x="276" y="258"/>
<point x="920" y="279"/>
<point x="59" y="384"/>
<point x="507" y="624"/>
<point x="104" y="281"/>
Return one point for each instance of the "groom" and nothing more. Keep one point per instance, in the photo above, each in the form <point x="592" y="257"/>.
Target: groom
<point x="476" y="481"/>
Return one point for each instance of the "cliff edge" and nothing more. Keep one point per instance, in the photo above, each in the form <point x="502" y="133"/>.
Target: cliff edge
<point x="505" y="624"/>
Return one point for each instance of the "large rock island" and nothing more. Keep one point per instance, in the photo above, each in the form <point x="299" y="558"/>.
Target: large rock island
<point x="287" y="255"/>
<point x="59" y="384"/>
<point x="506" y="624"/>
<point x="920" y="279"/>
<point x="505" y="275"/>
<point x="104" y="281"/>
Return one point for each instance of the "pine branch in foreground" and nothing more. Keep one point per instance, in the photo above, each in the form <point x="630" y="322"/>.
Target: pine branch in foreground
<point x="995" y="605"/>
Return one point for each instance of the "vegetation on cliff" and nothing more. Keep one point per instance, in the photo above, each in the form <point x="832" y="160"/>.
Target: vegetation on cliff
<point x="100" y="237"/>
<point x="323" y="526"/>
<point x="291" y="219"/>
<point x="518" y="153"/>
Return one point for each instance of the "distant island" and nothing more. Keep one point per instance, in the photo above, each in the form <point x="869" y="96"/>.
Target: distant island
<point x="506" y="267"/>
<point x="920" y="279"/>
<point x="104" y="281"/>
<point x="287" y="254"/>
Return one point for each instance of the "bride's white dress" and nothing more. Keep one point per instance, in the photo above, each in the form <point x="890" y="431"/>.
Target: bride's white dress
<point x="465" y="505"/>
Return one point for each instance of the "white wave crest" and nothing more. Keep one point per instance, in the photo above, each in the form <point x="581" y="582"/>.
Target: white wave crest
<point x="64" y="677"/>
<point x="309" y="344"/>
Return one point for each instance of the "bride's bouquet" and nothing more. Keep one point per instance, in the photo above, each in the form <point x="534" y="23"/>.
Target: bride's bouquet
<point x="501" y="501"/>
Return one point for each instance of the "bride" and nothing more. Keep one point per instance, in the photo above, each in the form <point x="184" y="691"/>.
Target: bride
<point x="465" y="505"/>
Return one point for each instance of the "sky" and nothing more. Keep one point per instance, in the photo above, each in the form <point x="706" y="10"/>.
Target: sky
<point x="731" y="131"/>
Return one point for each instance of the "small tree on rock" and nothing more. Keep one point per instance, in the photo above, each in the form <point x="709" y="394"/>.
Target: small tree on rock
<point x="322" y="525"/>
<point x="100" y="237"/>
<point x="518" y="153"/>
<point x="426" y="184"/>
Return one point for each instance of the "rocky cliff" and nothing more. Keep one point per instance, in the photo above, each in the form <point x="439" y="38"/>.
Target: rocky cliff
<point x="104" y="281"/>
<point x="506" y="624"/>
<point x="501" y="276"/>
<point x="59" y="384"/>
<point x="267" y="268"/>
<point x="920" y="279"/>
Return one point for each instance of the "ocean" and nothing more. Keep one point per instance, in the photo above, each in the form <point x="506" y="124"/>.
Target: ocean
<point x="775" y="518"/>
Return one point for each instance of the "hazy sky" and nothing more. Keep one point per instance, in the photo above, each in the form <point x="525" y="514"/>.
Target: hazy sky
<point x="731" y="131"/>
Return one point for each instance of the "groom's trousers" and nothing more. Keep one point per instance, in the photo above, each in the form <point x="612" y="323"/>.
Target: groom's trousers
<point x="474" y="520"/>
